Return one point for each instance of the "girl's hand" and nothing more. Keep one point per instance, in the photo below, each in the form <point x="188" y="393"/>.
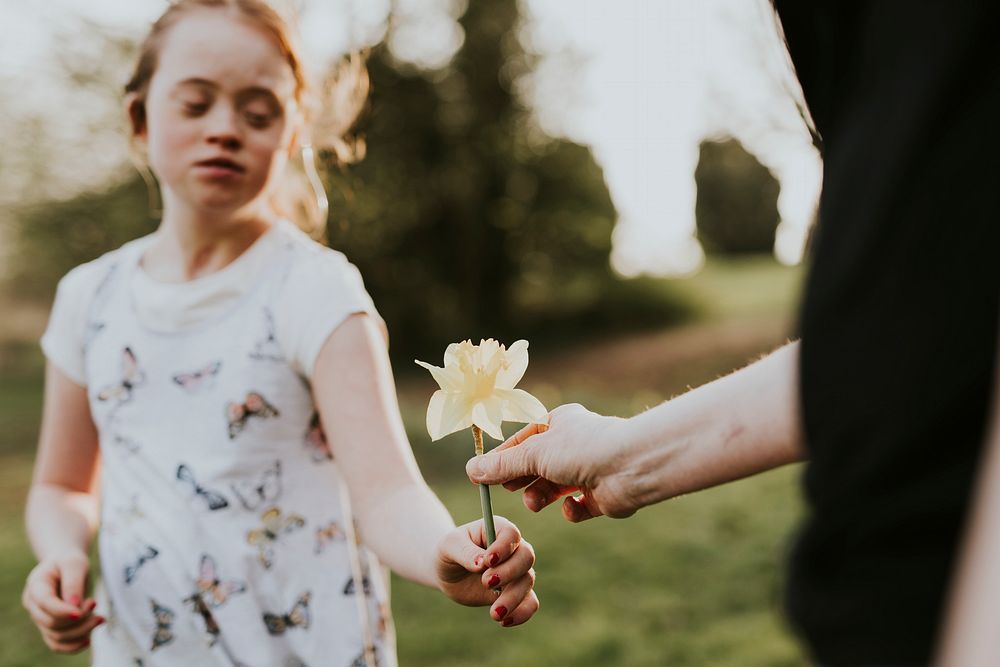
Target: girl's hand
<point x="468" y="573"/>
<point x="53" y="596"/>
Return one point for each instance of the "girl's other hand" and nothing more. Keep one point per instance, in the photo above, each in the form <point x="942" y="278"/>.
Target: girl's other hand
<point x="471" y="574"/>
<point x="53" y="596"/>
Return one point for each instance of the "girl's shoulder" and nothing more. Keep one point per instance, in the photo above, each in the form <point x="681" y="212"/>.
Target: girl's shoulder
<point x="81" y="282"/>
<point x="318" y="268"/>
<point x="321" y="290"/>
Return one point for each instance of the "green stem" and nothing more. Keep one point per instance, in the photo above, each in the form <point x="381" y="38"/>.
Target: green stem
<point x="484" y="492"/>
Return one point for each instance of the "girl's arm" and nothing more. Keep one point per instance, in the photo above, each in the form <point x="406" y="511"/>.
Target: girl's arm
<point x="398" y="515"/>
<point x="62" y="515"/>
<point x="738" y="425"/>
<point x="969" y="638"/>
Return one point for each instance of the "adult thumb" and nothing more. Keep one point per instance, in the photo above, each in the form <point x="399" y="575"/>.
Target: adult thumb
<point x="73" y="580"/>
<point x="501" y="466"/>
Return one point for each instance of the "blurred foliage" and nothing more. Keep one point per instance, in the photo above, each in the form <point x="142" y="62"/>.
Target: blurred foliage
<point x="465" y="219"/>
<point x="737" y="203"/>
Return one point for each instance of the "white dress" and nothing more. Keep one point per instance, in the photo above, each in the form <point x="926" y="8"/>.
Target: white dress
<point x="227" y="536"/>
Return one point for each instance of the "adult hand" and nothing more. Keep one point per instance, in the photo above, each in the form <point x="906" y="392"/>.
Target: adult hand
<point x="578" y="452"/>
<point x="53" y="596"/>
<point x="501" y="575"/>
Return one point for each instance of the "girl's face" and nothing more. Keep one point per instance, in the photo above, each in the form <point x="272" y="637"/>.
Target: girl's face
<point x="220" y="112"/>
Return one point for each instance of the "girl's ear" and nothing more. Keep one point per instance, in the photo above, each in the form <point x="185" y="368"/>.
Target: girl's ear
<point x="135" y="111"/>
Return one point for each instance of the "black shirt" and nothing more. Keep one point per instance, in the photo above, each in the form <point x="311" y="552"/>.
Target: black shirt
<point x="899" y="321"/>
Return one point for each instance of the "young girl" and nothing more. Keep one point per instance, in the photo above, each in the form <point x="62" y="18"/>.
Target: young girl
<point x="194" y="376"/>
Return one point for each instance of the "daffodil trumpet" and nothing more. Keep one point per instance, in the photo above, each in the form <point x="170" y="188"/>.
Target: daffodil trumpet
<point x="477" y="390"/>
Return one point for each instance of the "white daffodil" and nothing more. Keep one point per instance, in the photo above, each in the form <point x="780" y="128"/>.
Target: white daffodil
<point x="477" y="388"/>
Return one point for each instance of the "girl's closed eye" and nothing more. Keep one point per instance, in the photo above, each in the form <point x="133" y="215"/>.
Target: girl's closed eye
<point x="194" y="108"/>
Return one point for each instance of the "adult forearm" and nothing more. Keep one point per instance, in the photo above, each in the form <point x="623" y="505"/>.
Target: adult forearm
<point x="736" y="426"/>
<point x="59" y="520"/>
<point x="410" y="515"/>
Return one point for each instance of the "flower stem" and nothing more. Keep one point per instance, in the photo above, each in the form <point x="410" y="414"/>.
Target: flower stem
<point x="484" y="492"/>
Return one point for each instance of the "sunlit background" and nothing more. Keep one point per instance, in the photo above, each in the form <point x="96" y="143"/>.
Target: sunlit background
<point x="628" y="184"/>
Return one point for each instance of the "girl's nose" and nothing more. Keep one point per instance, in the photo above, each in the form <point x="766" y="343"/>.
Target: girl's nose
<point x="223" y="128"/>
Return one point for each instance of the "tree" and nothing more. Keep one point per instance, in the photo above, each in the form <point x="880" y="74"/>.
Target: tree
<point x="737" y="202"/>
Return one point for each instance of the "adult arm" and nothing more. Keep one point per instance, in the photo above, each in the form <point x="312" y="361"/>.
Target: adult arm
<point x="736" y="426"/>
<point x="970" y="636"/>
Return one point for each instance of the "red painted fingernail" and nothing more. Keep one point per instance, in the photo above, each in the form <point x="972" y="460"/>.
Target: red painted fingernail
<point x="74" y="615"/>
<point x="74" y="600"/>
<point x="85" y="644"/>
<point x="494" y="559"/>
<point x="494" y="581"/>
<point x="500" y="611"/>
<point x="101" y="621"/>
<point x="507" y="622"/>
<point x="91" y="605"/>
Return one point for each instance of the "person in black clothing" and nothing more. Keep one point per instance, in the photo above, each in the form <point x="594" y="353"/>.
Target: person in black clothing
<point x="889" y="390"/>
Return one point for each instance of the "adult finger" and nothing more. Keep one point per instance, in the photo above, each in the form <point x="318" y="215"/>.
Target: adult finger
<point x="522" y="612"/>
<point x="504" y="465"/>
<point x="519" y="483"/>
<point x="579" y="508"/>
<point x="542" y="493"/>
<point x="521" y="436"/>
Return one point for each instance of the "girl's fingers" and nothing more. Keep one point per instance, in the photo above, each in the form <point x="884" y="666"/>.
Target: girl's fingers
<point x="542" y="493"/>
<point x="521" y="613"/>
<point x="68" y="647"/>
<point x="464" y="551"/>
<point x="511" y="569"/>
<point x="43" y="620"/>
<point x="512" y="595"/>
<point x="507" y="542"/>
<point x="43" y="594"/>
<point x="79" y="632"/>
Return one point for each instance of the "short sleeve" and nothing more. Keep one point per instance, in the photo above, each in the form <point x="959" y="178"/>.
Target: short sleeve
<point x="322" y="290"/>
<point x="63" y="340"/>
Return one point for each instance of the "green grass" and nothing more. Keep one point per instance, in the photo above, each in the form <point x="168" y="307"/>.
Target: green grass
<point x="692" y="582"/>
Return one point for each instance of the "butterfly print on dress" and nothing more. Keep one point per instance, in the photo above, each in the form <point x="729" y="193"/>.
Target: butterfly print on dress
<point x="267" y="349"/>
<point x="264" y="490"/>
<point x="198" y="380"/>
<point x="214" y="500"/>
<point x="298" y="617"/>
<point x="316" y="443"/>
<point x="327" y="535"/>
<point x="132" y="377"/>
<point x="350" y="587"/>
<point x="274" y="526"/>
<point x="238" y="414"/>
<point x="213" y="591"/>
<point x="201" y="609"/>
<point x="132" y="570"/>
<point x="164" y="633"/>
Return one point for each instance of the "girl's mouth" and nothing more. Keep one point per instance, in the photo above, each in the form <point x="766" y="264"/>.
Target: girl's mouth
<point x="219" y="167"/>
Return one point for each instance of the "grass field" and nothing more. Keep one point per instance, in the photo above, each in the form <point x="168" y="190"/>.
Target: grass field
<point x="695" y="581"/>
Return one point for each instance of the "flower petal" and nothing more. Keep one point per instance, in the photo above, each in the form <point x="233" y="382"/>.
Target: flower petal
<point x="449" y="378"/>
<point x="517" y="358"/>
<point x="520" y="406"/>
<point x="446" y="413"/>
<point x="488" y="415"/>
